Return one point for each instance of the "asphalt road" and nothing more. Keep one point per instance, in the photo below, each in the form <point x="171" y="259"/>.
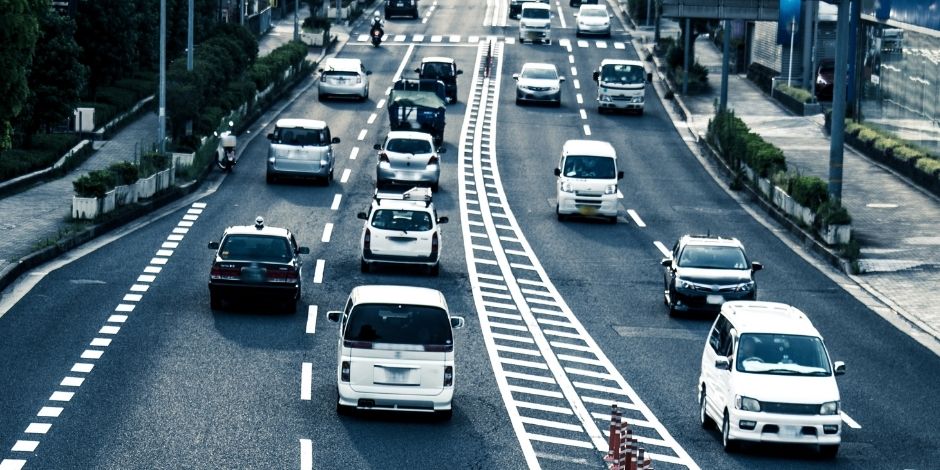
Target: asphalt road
<point x="181" y="386"/>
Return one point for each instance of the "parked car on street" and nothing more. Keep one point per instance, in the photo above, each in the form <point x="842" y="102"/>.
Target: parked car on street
<point x="402" y="228"/>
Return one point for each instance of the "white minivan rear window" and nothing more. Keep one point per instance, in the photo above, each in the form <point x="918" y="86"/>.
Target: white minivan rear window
<point x="399" y="324"/>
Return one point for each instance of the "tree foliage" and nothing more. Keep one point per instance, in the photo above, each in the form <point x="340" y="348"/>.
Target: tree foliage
<point x="19" y="30"/>
<point x="108" y="34"/>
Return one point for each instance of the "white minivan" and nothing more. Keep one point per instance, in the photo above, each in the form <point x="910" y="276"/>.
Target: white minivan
<point x="535" y="22"/>
<point x="587" y="178"/>
<point x="395" y="350"/>
<point x="766" y="376"/>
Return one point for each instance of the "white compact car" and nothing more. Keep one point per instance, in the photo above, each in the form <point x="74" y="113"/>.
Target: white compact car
<point x="593" y="19"/>
<point x="402" y="228"/>
<point x="538" y="82"/>
<point x="766" y="376"/>
<point x="535" y="22"/>
<point x="408" y="158"/>
<point x="343" y="77"/>
<point x="587" y="180"/>
<point x="395" y="350"/>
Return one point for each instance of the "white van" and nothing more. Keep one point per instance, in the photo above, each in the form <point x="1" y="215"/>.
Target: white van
<point x="395" y="350"/>
<point x="300" y="148"/>
<point x="766" y="376"/>
<point x="535" y="22"/>
<point x="587" y="180"/>
<point x="621" y="84"/>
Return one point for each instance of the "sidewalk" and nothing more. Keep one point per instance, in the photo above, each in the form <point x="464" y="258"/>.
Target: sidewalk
<point x="41" y="215"/>
<point x="893" y="219"/>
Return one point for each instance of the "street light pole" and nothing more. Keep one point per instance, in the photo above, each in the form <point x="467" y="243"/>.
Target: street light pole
<point x="189" y="39"/>
<point x="296" y="26"/>
<point x="792" y="35"/>
<point x="837" y="138"/>
<point x="161" y="113"/>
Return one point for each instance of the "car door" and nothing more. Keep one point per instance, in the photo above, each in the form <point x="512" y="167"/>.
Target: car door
<point x="715" y="379"/>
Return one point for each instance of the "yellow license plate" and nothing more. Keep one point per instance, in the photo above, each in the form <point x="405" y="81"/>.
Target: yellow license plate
<point x="587" y="210"/>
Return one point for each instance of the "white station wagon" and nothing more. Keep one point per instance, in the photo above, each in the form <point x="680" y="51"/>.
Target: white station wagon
<point x="395" y="350"/>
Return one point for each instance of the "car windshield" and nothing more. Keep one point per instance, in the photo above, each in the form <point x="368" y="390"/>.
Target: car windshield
<point x="577" y="166"/>
<point x="301" y="136"/>
<point x="621" y="73"/>
<point x="437" y="70"/>
<point x="712" y="257"/>
<point x="537" y="13"/>
<point x="255" y="248"/>
<point x="540" y="73"/>
<point x="408" y="146"/>
<point x="399" y="324"/>
<point x="595" y="12"/>
<point x="779" y="354"/>
<point x="405" y="220"/>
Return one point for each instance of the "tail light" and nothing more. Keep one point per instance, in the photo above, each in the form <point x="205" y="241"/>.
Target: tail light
<point x="449" y="376"/>
<point x="224" y="272"/>
<point x="358" y="78"/>
<point x="286" y="276"/>
<point x="367" y="242"/>
<point x="344" y="371"/>
<point x="434" y="246"/>
<point x="434" y="160"/>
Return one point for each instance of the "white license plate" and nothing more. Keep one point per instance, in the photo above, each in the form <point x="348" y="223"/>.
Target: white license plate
<point x="395" y="376"/>
<point x="715" y="299"/>
<point x="789" y="431"/>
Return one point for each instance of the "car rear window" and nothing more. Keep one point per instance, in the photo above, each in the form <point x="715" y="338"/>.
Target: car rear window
<point x="712" y="257"/>
<point x="399" y="324"/>
<point x="408" y="146"/>
<point x="301" y="136"/>
<point x="255" y="248"/>
<point x="437" y="70"/>
<point x="589" y="167"/>
<point x="393" y="219"/>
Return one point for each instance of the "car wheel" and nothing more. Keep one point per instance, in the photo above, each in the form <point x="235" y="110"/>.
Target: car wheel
<point x="829" y="451"/>
<point x="671" y="303"/>
<point x="703" y="417"/>
<point x="434" y="270"/>
<point x="215" y="301"/>
<point x="445" y="415"/>
<point x="363" y="266"/>
<point x="612" y="219"/>
<point x="561" y="217"/>
<point x="730" y="445"/>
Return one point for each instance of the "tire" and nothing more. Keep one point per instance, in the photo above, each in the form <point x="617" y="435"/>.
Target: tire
<point x="434" y="270"/>
<point x="215" y="301"/>
<point x="703" y="417"/>
<point x="729" y="445"/>
<point x="829" y="451"/>
<point x="561" y="217"/>
<point x="269" y="178"/>
<point x="363" y="266"/>
<point x="444" y="415"/>
<point x="670" y="304"/>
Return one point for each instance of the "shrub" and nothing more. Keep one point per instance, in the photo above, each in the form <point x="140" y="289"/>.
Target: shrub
<point x="141" y="88"/>
<point x="886" y="144"/>
<point x="118" y="97"/>
<point x="124" y="172"/>
<point x="94" y="183"/>
<point x="151" y="163"/>
<point x="798" y="94"/>
<point x="929" y="166"/>
<point x="768" y="160"/>
<point x="809" y="191"/>
<point x="868" y="136"/>
<point x="832" y="213"/>
<point x="852" y="127"/>
<point x="907" y="154"/>
<point x="317" y="23"/>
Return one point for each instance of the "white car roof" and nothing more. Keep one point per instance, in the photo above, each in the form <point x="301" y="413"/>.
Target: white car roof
<point x="586" y="6"/>
<point x="407" y="295"/>
<point x="417" y="198"/>
<point x="312" y="124"/>
<point x="538" y="65"/>
<point x="536" y="6"/>
<point x="437" y="59"/>
<point x="750" y="316"/>
<point x="589" y="147"/>
<point x="251" y="230"/>
<point x="410" y="135"/>
<point x="343" y="64"/>
<point x="621" y="62"/>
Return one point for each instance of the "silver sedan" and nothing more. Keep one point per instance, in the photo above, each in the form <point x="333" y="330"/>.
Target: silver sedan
<point x="538" y="82"/>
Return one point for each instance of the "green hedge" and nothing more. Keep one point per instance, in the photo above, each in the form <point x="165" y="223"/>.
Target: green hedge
<point x="929" y="166"/>
<point x="94" y="183"/>
<point x="46" y="149"/>
<point x="124" y="173"/>
<point x="798" y="94"/>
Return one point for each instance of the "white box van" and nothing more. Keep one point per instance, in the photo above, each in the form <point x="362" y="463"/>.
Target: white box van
<point x="535" y="22"/>
<point x="587" y="180"/>
<point x="766" y="376"/>
<point x="395" y="350"/>
<point x="621" y="84"/>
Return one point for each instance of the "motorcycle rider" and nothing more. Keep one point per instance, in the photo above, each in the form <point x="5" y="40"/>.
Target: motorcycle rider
<point x="377" y="24"/>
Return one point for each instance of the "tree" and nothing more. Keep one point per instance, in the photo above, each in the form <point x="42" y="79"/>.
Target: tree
<point x="108" y="35"/>
<point x="56" y="78"/>
<point x="19" y="30"/>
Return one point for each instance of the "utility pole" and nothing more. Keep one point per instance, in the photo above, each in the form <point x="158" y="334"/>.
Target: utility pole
<point x="725" y="65"/>
<point x="296" y="26"/>
<point x="792" y="36"/>
<point x="161" y="113"/>
<point x="837" y="138"/>
<point x="189" y="39"/>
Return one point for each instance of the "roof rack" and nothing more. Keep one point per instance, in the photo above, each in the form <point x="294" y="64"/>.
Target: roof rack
<point x="417" y="194"/>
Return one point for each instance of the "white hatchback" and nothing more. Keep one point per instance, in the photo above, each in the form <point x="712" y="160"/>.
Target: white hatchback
<point x="402" y="228"/>
<point x="593" y="19"/>
<point x="395" y="350"/>
<point x="766" y="376"/>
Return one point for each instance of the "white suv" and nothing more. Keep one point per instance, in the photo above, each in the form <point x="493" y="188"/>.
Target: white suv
<point x="766" y="376"/>
<point x="402" y="228"/>
<point x="587" y="180"/>
<point x="395" y="350"/>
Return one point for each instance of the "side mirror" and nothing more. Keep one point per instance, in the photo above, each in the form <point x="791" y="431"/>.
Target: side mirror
<point x="377" y="146"/>
<point x="595" y="76"/>
<point x="418" y="70"/>
<point x="515" y="76"/>
<point x="303" y="250"/>
<point x="214" y="245"/>
<point x="457" y="322"/>
<point x="442" y="150"/>
<point x="620" y="175"/>
<point x="335" y="140"/>
<point x="561" y="79"/>
<point x="459" y="72"/>
<point x="362" y="215"/>
<point x="557" y="171"/>
<point x="368" y="72"/>
<point x="333" y="315"/>
<point x="271" y="136"/>
<point x="667" y="262"/>
<point x="443" y="220"/>
<point x="755" y="266"/>
<point x="723" y="363"/>
<point x="649" y="77"/>
<point x="838" y="368"/>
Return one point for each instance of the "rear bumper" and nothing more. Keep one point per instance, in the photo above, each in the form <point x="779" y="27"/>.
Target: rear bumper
<point x="408" y="177"/>
<point x="535" y="34"/>
<point x="278" y="291"/>
<point x="372" y="257"/>
<point x="322" y="172"/>
<point x="341" y="90"/>
<point x="395" y="400"/>
<point x="688" y="301"/>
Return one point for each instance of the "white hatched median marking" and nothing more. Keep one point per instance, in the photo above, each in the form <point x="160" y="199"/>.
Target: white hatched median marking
<point x="109" y="330"/>
<point x="318" y="272"/>
<point x="158" y="261"/>
<point x="92" y="354"/>
<point x="538" y="406"/>
<point x="312" y="319"/>
<point x="117" y="319"/>
<point x="101" y="342"/>
<point x="636" y="218"/>
<point x="306" y="381"/>
<point x="153" y="269"/>
<point x="327" y="232"/>
<point x="551" y="424"/>
<point x="559" y="440"/>
<point x="124" y="308"/>
<point x="146" y="278"/>
<point x="72" y="382"/>
<point x="132" y="297"/>
<point x="164" y="252"/>
<point x="849" y="421"/>
<point x="12" y="464"/>
<point x="139" y="288"/>
<point x="336" y="200"/>
<point x="306" y="454"/>
<point x="25" y="446"/>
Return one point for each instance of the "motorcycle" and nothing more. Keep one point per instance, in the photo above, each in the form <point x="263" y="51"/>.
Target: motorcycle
<point x="227" y="157"/>
<point x="376" y="34"/>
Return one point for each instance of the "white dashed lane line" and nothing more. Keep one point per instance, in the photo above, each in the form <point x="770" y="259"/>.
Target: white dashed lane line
<point x="327" y="232"/>
<point x="354" y="153"/>
<point x="336" y="200"/>
<point x="362" y="134"/>
<point x="345" y="176"/>
<point x="311" y="319"/>
<point x="306" y="380"/>
<point x="587" y="129"/>
<point x="372" y="118"/>
<point x="577" y="84"/>
<point x="579" y="98"/>
<point x="306" y="454"/>
<point x="570" y="59"/>
<point x="318" y="272"/>
<point x="583" y="113"/>
<point x="849" y="421"/>
<point x="662" y="248"/>
<point x="380" y="104"/>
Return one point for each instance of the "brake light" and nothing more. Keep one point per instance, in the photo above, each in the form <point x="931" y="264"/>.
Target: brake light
<point x="344" y="371"/>
<point x="287" y="276"/>
<point x="449" y="376"/>
<point x="434" y="160"/>
<point x="224" y="272"/>
<point x="367" y="242"/>
<point x="434" y="246"/>
<point x="358" y="78"/>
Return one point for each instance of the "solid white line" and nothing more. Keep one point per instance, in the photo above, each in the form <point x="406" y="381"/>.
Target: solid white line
<point x="109" y="330"/>
<point x="38" y="428"/>
<point x="318" y="272"/>
<point x="636" y="218"/>
<point x="132" y="297"/>
<point x="336" y="199"/>
<point x="117" y="319"/>
<point x="552" y="424"/>
<point x="362" y="134"/>
<point x="662" y="248"/>
<point x="345" y="176"/>
<point x="25" y="446"/>
<point x="353" y="153"/>
<point x="372" y="118"/>
<point x="306" y="379"/>
<point x="312" y="319"/>
<point x="306" y="454"/>
<point x="72" y="382"/>
<point x="401" y="66"/>
<point x="50" y="411"/>
<point x="849" y="421"/>
<point x="327" y="232"/>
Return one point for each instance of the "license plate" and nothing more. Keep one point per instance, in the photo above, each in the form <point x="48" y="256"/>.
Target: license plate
<point x="789" y="431"/>
<point x="715" y="299"/>
<point x="394" y="376"/>
<point x="253" y="274"/>
<point x="587" y="210"/>
<point x="401" y="4"/>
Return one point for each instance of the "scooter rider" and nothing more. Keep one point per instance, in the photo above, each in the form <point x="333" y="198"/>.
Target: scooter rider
<point x="378" y="24"/>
